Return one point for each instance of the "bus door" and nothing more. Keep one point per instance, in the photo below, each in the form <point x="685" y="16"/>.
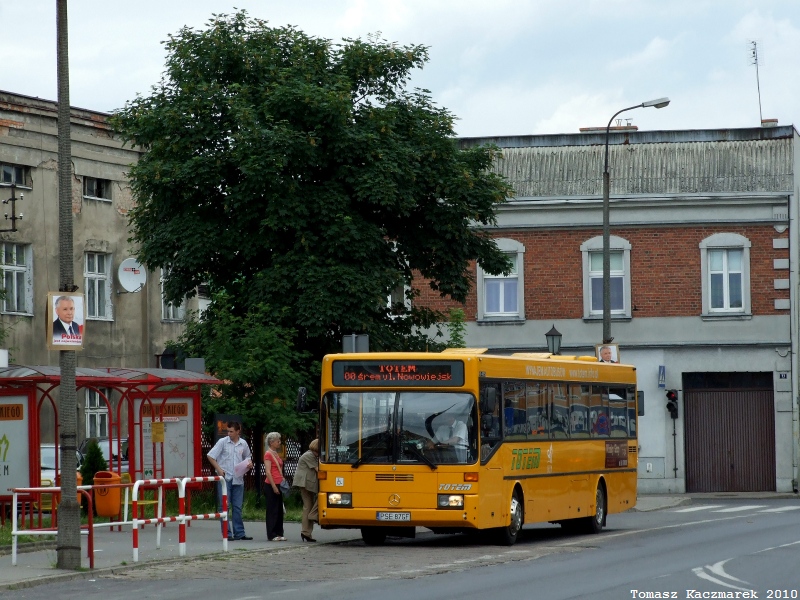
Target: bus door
<point x="494" y="508"/>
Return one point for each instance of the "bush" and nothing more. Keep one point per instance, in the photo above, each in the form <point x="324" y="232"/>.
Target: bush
<point x="93" y="462"/>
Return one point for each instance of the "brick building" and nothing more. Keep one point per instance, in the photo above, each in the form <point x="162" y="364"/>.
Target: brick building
<point x="704" y="273"/>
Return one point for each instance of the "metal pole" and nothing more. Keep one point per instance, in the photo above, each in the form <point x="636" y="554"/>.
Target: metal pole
<point x="607" y="236"/>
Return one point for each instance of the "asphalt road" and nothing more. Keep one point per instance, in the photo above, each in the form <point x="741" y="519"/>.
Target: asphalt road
<point x="720" y="546"/>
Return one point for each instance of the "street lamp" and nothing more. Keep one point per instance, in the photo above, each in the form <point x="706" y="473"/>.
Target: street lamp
<point x="658" y="103"/>
<point x="13" y="218"/>
<point x="553" y="340"/>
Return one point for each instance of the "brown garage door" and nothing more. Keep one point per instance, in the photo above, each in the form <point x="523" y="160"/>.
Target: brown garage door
<point x="730" y="440"/>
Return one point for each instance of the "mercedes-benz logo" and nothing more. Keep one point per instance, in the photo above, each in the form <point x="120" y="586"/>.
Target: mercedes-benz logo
<point x="394" y="500"/>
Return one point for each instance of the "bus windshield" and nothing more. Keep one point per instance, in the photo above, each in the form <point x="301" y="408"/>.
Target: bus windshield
<point x="431" y="428"/>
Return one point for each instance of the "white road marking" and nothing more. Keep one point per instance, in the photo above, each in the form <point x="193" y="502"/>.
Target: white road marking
<point x="718" y="569"/>
<point x="696" y="508"/>
<point x="779" y="509"/>
<point x="703" y="575"/>
<point x="740" y="508"/>
<point x="776" y="547"/>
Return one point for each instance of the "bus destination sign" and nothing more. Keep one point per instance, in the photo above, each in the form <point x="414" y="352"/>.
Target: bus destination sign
<point x="398" y="373"/>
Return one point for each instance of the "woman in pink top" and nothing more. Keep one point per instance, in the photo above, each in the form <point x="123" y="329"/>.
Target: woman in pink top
<point x="274" y="468"/>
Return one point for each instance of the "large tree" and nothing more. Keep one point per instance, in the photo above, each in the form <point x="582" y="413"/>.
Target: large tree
<point x="303" y="176"/>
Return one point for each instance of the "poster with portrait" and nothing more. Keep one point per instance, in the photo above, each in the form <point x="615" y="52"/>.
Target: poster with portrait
<point x="65" y="321"/>
<point x="608" y="353"/>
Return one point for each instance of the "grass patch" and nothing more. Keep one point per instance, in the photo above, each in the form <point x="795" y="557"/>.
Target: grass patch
<point x="5" y="534"/>
<point x="253" y="507"/>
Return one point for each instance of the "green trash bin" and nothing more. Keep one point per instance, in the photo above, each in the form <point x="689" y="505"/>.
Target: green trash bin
<point x="106" y="500"/>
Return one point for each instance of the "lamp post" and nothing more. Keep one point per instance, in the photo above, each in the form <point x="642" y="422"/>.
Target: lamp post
<point x="658" y="103"/>
<point x="553" y="340"/>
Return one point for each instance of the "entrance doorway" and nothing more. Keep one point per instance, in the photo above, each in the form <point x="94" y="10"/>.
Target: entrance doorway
<point x="730" y="432"/>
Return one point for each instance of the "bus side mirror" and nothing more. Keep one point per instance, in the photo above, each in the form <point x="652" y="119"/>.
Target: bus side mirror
<point x="640" y="403"/>
<point x="300" y="405"/>
<point x="490" y="400"/>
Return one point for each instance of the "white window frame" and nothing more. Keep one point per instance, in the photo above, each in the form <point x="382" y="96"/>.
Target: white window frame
<point x="22" y="278"/>
<point x="396" y="298"/>
<point x="170" y="312"/>
<point x="516" y="251"/>
<point x="95" y="409"/>
<point x="103" y="184"/>
<point x="725" y="241"/>
<point x="91" y="281"/>
<point x="203" y="299"/>
<point x="616" y="244"/>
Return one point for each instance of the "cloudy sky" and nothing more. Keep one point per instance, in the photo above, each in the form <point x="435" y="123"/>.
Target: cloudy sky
<point x="503" y="67"/>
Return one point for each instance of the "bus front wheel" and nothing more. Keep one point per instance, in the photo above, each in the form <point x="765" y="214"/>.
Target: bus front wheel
<point x="373" y="536"/>
<point x="507" y="536"/>
<point x="595" y="524"/>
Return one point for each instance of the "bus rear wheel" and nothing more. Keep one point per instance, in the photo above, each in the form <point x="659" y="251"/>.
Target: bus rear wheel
<point x="373" y="536"/>
<point x="507" y="536"/>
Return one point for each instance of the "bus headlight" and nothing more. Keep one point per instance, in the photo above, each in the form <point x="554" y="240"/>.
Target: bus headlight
<point x="450" y="501"/>
<point x="340" y="499"/>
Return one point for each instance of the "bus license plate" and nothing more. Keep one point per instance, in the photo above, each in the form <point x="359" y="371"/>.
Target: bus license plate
<point x="393" y="516"/>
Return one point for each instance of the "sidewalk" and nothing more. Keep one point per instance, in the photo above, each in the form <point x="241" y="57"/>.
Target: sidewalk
<point x="646" y="503"/>
<point x="113" y="550"/>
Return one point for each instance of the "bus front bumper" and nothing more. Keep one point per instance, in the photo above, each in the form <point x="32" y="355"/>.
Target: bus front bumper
<point x="463" y="518"/>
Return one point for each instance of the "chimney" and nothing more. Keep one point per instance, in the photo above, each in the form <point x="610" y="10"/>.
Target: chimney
<point x="769" y="122"/>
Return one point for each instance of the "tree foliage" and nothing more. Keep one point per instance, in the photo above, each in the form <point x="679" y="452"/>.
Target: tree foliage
<point x="457" y="327"/>
<point x="304" y="182"/>
<point x="260" y="362"/>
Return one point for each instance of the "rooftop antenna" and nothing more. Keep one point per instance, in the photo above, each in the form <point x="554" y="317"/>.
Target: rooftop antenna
<point x="754" y="54"/>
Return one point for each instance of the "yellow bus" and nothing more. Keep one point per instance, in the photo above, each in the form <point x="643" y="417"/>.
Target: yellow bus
<point x="464" y="441"/>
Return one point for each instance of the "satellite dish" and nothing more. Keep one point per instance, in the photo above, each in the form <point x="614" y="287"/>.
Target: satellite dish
<point x="131" y="275"/>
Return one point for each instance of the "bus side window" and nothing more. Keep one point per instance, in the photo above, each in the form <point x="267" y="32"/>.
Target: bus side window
<point x="598" y="411"/>
<point x="536" y="406"/>
<point x="559" y="411"/>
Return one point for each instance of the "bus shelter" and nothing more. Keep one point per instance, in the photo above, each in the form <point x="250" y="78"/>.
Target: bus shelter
<point x="156" y="411"/>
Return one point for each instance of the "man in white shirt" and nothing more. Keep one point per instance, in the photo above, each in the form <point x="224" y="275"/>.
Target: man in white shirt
<point x="224" y="456"/>
<point x="454" y="433"/>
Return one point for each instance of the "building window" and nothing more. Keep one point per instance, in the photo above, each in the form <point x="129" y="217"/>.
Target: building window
<point x="725" y="266"/>
<point x="501" y="297"/>
<point x="99" y="189"/>
<point x="399" y="301"/>
<point x="97" y="282"/>
<point x="13" y="174"/>
<point x="620" y="277"/>
<point x="17" y="270"/>
<point x="97" y="413"/>
<point x="203" y="299"/>
<point x="169" y="311"/>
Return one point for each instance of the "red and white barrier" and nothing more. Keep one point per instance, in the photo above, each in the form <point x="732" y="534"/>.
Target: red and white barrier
<point x="182" y="509"/>
<point x="180" y="518"/>
<point x="83" y="490"/>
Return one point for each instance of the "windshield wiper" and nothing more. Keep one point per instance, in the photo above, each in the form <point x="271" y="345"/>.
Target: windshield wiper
<point x="373" y="452"/>
<point x="413" y="449"/>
